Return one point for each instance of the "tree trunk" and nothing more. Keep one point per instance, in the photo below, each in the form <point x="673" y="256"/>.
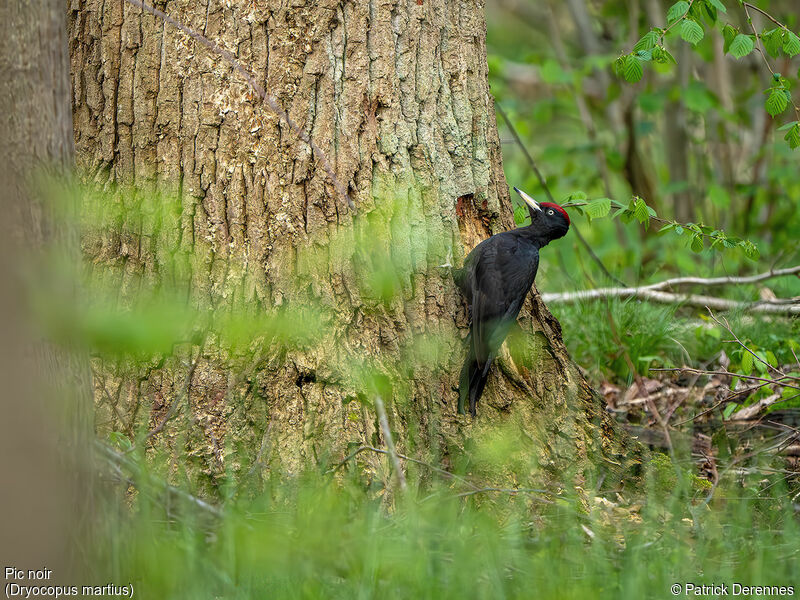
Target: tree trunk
<point x="396" y="94"/>
<point x="46" y="406"/>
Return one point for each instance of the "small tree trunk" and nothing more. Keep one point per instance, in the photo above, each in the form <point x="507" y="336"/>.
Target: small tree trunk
<point x="45" y="473"/>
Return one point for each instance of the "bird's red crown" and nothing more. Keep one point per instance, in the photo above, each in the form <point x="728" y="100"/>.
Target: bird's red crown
<point x="555" y="207"/>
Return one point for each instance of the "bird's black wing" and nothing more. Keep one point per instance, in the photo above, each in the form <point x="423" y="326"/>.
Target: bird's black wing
<point x="503" y="275"/>
<point x="496" y="277"/>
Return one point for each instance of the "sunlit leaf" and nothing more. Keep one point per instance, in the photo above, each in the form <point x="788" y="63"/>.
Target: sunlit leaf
<point x="793" y="136"/>
<point x="633" y="69"/>
<point x="692" y="31"/>
<point x="648" y="41"/>
<point x="741" y="46"/>
<point x="776" y="102"/>
<point x="599" y="207"/>
<point x="791" y="43"/>
<point x="677" y="10"/>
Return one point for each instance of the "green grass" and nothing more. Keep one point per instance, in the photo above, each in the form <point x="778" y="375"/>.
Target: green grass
<point x="318" y="536"/>
<point x="350" y="534"/>
<point x="601" y="336"/>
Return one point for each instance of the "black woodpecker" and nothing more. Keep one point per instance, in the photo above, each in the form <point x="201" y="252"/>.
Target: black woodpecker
<point x="495" y="279"/>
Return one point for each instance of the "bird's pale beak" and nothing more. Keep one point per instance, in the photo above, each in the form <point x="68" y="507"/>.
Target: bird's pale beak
<point x="528" y="200"/>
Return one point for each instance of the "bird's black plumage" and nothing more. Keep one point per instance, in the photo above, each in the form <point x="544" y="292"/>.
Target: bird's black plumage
<point x="495" y="279"/>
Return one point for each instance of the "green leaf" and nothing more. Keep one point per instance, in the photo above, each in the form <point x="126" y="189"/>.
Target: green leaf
<point x="751" y="250"/>
<point x="770" y="356"/>
<point x="773" y="41"/>
<point x="729" y="410"/>
<point x="648" y="41"/>
<point x="788" y="125"/>
<point x="692" y="31"/>
<point x="791" y="43"/>
<point x="793" y="136"/>
<point x="576" y="195"/>
<point x="747" y="363"/>
<point x="632" y="71"/>
<point x="641" y="213"/>
<point x="120" y="440"/>
<point x="677" y="10"/>
<point x="741" y="46"/>
<point x="662" y="56"/>
<point x="728" y="34"/>
<point x="598" y="208"/>
<point x="776" y="102"/>
<point x="697" y="242"/>
<point x="718" y="5"/>
<point x="759" y="364"/>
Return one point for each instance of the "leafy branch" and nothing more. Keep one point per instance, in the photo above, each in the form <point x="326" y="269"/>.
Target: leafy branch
<point x="687" y="17"/>
<point x="638" y="209"/>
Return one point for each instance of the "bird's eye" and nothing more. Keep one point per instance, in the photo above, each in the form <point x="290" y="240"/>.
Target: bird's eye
<point x="551" y="212"/>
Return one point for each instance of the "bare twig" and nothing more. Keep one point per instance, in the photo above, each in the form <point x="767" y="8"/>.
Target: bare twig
<point x="474" y="489"/>
<point x="765" y="13"/>
<point x="724" y="323"/>
<point x="714" y="281"/>
<point x="439" y="470"/>
<point x="779" y="380"/>
<point x="387" y="437"/>
<point x="511" y="491"/>
<point x="173" y="409"/>
<point x="122" y="463"/>
<point x="267" y="98"/>
<point x="547" y="192"/>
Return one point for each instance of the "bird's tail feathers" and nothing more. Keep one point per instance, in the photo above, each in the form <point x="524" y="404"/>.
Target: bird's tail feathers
<point x="472" y="381"/>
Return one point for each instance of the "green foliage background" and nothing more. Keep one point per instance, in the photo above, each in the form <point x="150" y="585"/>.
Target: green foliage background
<point x="597" y="108"/>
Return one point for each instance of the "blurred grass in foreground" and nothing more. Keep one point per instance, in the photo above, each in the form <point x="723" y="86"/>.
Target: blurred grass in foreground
<point x="329" y="530"/>
<point x="320" y="536"/>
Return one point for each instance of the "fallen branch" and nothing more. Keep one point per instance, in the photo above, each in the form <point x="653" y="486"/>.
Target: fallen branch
<point x="774" y="307"/>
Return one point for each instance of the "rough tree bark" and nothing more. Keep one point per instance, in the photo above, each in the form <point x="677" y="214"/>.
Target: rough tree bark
<point x="396" y="93"/>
